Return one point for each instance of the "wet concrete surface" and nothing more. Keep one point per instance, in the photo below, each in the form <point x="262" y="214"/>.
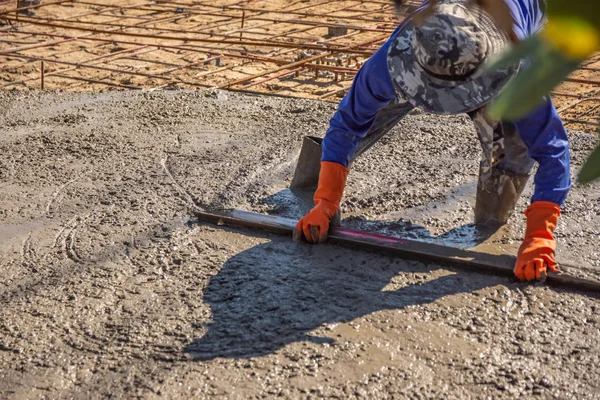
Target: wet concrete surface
<point x="110" y="288"/>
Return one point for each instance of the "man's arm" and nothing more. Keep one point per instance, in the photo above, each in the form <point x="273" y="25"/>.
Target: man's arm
<point x="545" y="136"/>
<point x="371" y="91"/>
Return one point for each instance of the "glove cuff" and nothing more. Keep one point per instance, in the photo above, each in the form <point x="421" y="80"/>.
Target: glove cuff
<point x="543" y="207"/>
<point x="542" y="217"/>
<point x="332" y="180"/>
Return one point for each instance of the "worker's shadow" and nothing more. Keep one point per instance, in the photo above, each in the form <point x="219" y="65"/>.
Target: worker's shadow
<point x="277" y="293"/>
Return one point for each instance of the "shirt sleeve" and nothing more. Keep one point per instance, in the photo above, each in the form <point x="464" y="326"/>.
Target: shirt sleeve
<point x="547" y="142"/>
<point x="528" y="15"/>
<point x="371" y="90"/>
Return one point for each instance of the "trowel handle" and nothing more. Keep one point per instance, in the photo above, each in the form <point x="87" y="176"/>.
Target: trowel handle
<point x="386" y="119"/>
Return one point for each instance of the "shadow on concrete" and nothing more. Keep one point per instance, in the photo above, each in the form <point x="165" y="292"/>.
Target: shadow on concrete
<point x="277" y="293"/>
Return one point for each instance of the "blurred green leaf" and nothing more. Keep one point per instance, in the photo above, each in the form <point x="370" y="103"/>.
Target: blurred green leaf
<point x="546" y="67"/>
<point x="514" y="54"/>
<point x="544" y="70"/>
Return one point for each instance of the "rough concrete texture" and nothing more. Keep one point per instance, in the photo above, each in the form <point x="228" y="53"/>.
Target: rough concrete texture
<point x="109" y="288"/>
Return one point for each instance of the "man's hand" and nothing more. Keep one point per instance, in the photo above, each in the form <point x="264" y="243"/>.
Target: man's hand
<point x="536" y="254"/>
<point x="314" y="226"/>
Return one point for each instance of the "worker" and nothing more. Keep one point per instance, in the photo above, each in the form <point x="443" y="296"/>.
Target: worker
<point x="435" y="65"/>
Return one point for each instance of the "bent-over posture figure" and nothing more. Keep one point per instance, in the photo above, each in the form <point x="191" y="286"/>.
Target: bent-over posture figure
<point x="435" y="66"/>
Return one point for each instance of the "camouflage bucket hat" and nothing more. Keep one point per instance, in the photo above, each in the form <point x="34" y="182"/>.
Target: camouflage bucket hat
<point x="435" y="65"/>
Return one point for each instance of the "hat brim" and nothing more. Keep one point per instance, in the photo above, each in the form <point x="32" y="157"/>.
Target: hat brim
<point x="442" y="96"/>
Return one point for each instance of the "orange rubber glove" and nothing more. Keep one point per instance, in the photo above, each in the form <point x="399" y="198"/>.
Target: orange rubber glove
<point x="536" y="253"/>
<point x="315" y="225"/>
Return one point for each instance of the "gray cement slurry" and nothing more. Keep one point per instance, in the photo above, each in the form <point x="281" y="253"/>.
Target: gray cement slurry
<point x="110" y="288"/>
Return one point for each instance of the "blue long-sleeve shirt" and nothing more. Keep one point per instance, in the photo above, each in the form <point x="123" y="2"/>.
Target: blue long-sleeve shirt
<point x="542" y="131"/>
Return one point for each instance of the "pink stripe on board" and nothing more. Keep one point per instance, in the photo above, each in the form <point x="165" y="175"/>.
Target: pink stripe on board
<point x="369" y="236"/>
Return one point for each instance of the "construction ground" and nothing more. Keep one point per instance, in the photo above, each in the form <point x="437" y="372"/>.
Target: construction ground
<point x="119" y="118"/>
